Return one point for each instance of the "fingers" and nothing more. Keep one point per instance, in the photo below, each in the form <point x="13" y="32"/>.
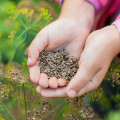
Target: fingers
<point x="85" y="73"/>
<point x="34" y="73"/>
<point x="43" y="82"/>
<point x="93" y="83"/>
<point x="38" y="44"/>
<point x="61" y="82"/>
<point x="59" y="92"/>
<point x="62" y="92"/>
<point x="53" y="83"/>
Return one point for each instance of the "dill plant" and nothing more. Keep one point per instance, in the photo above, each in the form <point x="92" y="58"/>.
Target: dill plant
<point x="19" y="100"/>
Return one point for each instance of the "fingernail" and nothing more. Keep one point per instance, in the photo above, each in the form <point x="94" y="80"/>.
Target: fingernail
<point x="29" y="60"/>
<point x="72" y="93"/>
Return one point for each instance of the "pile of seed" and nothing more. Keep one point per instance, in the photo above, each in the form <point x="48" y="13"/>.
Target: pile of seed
<point x="58" y="64"/>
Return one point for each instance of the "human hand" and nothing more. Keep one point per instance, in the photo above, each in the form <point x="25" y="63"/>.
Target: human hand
<point x="69" y="31"/>
<point x="100" y="49"/>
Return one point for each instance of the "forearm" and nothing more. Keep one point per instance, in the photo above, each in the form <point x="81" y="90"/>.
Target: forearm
<point x="72" y="9"/>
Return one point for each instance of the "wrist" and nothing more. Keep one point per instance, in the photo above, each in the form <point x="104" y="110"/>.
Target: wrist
<point x="72" y="9"/>
<point x="95" y="3"/>
<point x="80" y="12"/>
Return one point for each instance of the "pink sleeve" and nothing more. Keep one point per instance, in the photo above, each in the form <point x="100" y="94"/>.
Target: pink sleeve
<point x="98" y="4"/>
<point x="117" y="23"/>
<point x="60" y="2"/>
<point x="103" y="2"/>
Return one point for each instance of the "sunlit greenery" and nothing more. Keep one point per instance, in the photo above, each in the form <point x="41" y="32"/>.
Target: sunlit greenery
<point x="19" y="24"/>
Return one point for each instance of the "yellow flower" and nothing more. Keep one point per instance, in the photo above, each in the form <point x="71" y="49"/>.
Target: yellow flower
<point x="24" y="11"/>
<point x="31" y="13"/>
<point x="45" y="14"/>
<point x="12" y="35"/>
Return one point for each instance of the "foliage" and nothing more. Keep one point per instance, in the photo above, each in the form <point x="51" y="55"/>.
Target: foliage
<point x="110" y="99"/>
<point x="17" y="93"/>
<point x="114" y="115"/>
<point x="19" y="99"/>
<point x="24" y="27"/>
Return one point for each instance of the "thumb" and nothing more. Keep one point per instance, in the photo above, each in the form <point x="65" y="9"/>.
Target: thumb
<point x="86" y="71"/>
<point x="37" y="46"/>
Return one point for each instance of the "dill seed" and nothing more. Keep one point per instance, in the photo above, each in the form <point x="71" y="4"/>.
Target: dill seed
<point x="58" y="64"/>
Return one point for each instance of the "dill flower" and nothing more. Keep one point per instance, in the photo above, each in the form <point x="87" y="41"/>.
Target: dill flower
<point x="31" y="13"/>
<point x="14" y="72"/>
<point x="12" y="35"/>
<point x="3" y="92"/>
<point x="45" y="14"/>
<point x="24" y="11"/>
<point x="114" y="76"/>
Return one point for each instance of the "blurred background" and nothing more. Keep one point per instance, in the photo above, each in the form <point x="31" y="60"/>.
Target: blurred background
<point x="20" y="21"/>
<point x="7" y="27"/>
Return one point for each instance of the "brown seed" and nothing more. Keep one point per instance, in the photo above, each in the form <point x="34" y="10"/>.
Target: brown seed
<point x="58" y="64"/>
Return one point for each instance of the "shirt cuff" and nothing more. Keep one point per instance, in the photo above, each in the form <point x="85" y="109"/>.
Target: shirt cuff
<point x="117" y="23"/>
<point x="95" y="3"/>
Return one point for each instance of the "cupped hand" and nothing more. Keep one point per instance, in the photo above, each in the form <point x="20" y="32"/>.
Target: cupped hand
<point x="100" y="49"/>
<point x="61" y="34"/>
<point x="68" y="32"/>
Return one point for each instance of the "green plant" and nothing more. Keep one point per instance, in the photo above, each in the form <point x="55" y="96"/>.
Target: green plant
<point x="17" y="93"/>
<point x="114" y="115"/>
<point x="23" y="25"/>
<point x="19" y="100"/>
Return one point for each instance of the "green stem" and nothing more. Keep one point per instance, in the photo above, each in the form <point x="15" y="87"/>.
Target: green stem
<point x="12" y="102"/>
<point x="19" y="45"/>
<point x="30" y="95"/>
<point x="10" y="112"/>
<point x="3" y="116"/>
<point x="24" y="100"/>
<point x="19" y="106"/>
